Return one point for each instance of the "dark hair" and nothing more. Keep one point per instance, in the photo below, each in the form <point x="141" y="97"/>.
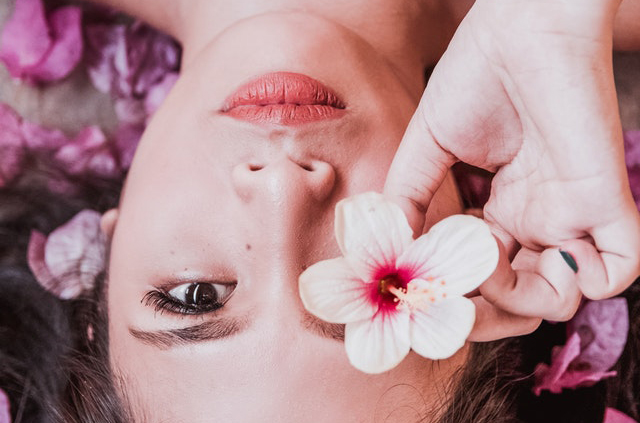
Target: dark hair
<point x="54" y="371"/>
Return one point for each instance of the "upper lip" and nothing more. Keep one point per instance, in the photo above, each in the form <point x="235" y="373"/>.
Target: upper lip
<point x="285" y="98"/>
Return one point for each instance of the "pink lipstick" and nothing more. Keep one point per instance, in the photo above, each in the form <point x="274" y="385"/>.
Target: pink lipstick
<point x="283" y="98"/>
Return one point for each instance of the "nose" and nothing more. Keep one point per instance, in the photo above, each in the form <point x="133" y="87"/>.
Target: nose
<point x="285" y="182"/>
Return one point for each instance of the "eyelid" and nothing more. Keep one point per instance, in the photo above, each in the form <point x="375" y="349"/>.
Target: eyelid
<point x="162" y="300"/>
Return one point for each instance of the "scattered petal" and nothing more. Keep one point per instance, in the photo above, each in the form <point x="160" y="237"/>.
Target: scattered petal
<point x="611" y="415"/>
<point x="442" y="328"/>
<point x="39" y="49"/>
<point x="158" y="92"/>
<point x="331" y="291"/>
<point x="5" y="411"/>
<point x="379" y="344"/>
<point x="371" y="233"/>
<point x="72" y="257"/>
<point x="88" y="153"/>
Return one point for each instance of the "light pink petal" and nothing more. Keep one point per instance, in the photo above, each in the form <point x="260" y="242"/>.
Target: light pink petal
<point x="88" y="153"/>
<point x="5" y="411"/>
<point x="35" y="259"/>
<point x="379" y="344"/>
<point x="611" y="415"/>
<point x="25" y="37"/>
<point x="603" y="326"/>
<point x="11" y="144"/>
<point x="548" y="377"/>
<point x="371" y="232"/>
<point x="38" y="138"/>
<point x="441" y="329"/>
<point x="158" y="92"/>
<point x="332" y="291"/>
<point x="74" y="254"/>
<point x="66" y="50"/>
<point x="459" y="250"/>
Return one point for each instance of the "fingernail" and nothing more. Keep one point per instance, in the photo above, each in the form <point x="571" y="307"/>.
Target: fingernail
<point x="570" y="261"/>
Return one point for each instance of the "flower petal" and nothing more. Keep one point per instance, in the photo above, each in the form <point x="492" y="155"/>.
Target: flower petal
<point x="611" y="415"/>
<point x="74" y="254"/>
<point x="25" y="37"/>
<point x="5" y="414"/>
<point x="371" y="233"/>
<point x="442" y="328"/>
<point x="378" y="344"/>
<point x="331" y="291"/>
<point x="459" y="250"/>
<point x="549" y="377"/>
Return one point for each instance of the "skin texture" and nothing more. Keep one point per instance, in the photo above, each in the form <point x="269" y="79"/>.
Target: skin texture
<point x="212" y="198"/>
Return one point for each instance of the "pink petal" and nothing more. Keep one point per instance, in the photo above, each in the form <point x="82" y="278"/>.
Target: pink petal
<point x="35" y="258"/>
<point x="130" y="111"/>
<point x="158" y="92"/>
<point x="371" y="233"/>
<point x="459" y="251"/>
<point x="379" y="344"/>
<point x="106" y="56"/>
<point x="12" y="150"/>
<point x="38" y="138"/>
<point x="632" y="148"/>
<point x="88" y="153"/>
<point x="66" y="50"/>
<point x="331" y="291"/>
<point x="548" y="377"/>
<point x="603" y="326"/>
<point x="25" y="37"/>
<point x="74" y="254"/>
<point x="441" y="329"/>
<point x="5" y="412"/>
<point x="611" y="415"/>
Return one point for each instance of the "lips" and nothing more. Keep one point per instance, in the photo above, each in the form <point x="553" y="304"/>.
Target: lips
<point x="283" y="98"/>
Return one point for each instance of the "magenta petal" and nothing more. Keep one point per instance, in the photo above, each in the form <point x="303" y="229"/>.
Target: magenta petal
<point x="5" y="412"/>
<point x="25" y="37"/>
<point x="549" y="377"/>
<point x="11" y="145"/>
<point x="611" y="415"/>
<point x="127" y="139"/>
<point x="35" y="259"/>
<point x="66" y="50"/>
<point x="632" y="147"/>
<point x="88" y="153"/>
<point x="603" y="326"/>
<point x="106" y="55"/>
<point x="38" y="138"/>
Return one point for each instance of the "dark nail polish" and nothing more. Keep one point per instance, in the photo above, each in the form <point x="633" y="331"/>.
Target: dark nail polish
<point x="570" y="261"/>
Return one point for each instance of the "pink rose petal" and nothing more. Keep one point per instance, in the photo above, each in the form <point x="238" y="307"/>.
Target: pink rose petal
<point x="38" y="138"/>
<point x="549" y="377"/>
<point x="632" y="147"/>
<point x="25" y="37"/>
<point x="88" y="153"/>
<point x="5" y="412"/>
<point x="611" y="415"/>
<point x="68" y="262"/>
<point x="159" y="92"/>
<point x="66" y="50"/>
<point x="37" y="49"/>
<point x="11" y="145"/>
<point x="603" y="326"/>
<point x="127" y="139"/>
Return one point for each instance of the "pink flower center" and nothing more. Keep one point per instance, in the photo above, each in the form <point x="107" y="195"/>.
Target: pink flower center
<point x="384" y="288"/>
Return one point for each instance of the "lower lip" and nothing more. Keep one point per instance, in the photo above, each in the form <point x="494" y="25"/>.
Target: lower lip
<point x="284" y="98"/>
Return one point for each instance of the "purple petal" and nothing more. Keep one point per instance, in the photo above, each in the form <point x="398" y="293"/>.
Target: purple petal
<point x="66" y="50"/>
<point x="632" y="148"/>
<point x="611" y="415"/>
<point x="603" y="326"/>
<point x="35" y="259"/>
<point x="549" y="377"/>
<point x="38" y="138"/>
<point x="130" y="111"/>
<point x="127" y="139"/>
<point x="5" y="411"/>
<point x="74" y="254"/>
<point x="25" y="37"/>
<point x="107" y="57"/>
<point x="634" y="183"/>
<point x="158" y="93"/>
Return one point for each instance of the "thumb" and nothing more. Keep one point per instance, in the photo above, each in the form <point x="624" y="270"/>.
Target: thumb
<point x="418" y="168"/>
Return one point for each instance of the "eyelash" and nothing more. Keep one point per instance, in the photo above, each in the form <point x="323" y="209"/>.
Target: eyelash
<point x="161" y="300"/>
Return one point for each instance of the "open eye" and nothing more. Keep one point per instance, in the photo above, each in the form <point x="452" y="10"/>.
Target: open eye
<point x="191" y="298"/>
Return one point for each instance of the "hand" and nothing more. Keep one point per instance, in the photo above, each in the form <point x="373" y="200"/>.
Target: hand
<point x="526" y="90"/>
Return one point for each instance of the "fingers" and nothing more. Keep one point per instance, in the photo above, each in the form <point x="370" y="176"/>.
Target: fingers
<point x="493" y="323"/>
<point x="418" y="168"/>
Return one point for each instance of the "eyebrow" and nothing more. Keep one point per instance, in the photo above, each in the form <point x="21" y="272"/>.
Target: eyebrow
<point x="224" y="327"/>
<point x="220" y="328"/>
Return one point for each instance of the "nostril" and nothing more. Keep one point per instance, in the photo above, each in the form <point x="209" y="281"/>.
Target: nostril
<point x="307" y="167"/>
<point x="255" y="167"/>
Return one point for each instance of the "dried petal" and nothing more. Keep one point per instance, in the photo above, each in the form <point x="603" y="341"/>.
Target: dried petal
<point x="88" y="153"/>
<point x="611" y="415"/>
<point x="549" y="377"/>
<point x="5" y="411"/>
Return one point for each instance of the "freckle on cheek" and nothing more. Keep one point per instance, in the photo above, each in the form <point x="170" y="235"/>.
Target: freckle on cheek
<point x="248" y="247"/>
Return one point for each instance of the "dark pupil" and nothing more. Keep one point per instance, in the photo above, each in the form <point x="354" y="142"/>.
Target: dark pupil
<point x="201" y="294"/>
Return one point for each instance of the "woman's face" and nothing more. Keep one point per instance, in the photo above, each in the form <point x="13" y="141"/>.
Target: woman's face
<point x="224" y="209"/>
